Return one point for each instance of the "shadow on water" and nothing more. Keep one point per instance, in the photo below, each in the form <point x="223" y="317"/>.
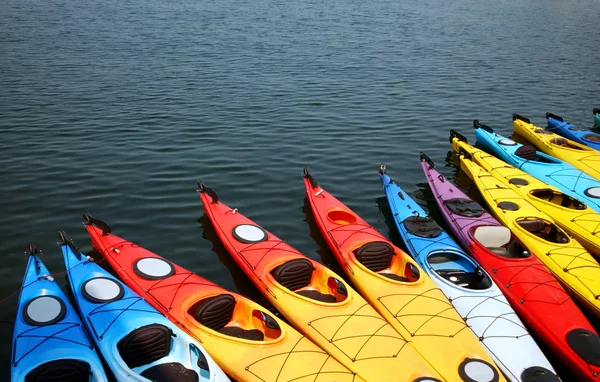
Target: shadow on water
<point x="241" y="281"/>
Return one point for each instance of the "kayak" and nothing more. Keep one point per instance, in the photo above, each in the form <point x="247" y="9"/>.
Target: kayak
<point x="580" y="221"/>
<point x="533" y="292"/>
<point x="137" y="342"/>
<point x="557" y="125"/>
<point x="581" y="156"/>
<point x="565" y="258"/>
<point x="242" y="337"/>
<point x="468" y="287"/>
<point x="315" y="300"/>
<point x="399" y="289"/>
<point x="49" y="340"/>
<point x="546" y="168"/>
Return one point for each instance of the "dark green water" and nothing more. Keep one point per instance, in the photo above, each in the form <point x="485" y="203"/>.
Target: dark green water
<point x="119" y="107"/>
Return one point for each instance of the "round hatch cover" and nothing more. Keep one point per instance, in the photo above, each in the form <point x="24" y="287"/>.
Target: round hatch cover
<point x="153" y="268"/>
<point x="44" y="310"/>
<point x="518" y="182"/>
<point x="102" y="290"/>
<point x="476" y="370"/>
<point x="593" y="192"/>
<point x="247" y="233"/>
<point x="509" y="206"/>
<point x="507" y="142"/>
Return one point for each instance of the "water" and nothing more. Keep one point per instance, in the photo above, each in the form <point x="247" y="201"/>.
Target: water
<point x="119" y="107"/>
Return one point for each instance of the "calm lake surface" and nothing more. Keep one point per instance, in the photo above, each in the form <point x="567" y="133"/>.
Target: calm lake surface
<point x="119" y="107"/>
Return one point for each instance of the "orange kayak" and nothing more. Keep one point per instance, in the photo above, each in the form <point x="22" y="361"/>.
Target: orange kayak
<point x="316" y="300"/>
<point x="242" y="337"/>
<point x="402" y="292"/>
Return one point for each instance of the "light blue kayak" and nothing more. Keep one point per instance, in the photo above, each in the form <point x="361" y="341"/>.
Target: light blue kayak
<point x="136" y="340"/>
<point x="49" y="341"/>
<point x="546" y="168"/>
<point x="557" y="125"/>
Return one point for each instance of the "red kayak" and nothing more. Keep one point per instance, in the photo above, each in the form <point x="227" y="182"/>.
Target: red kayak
<point x="533" y="292"/>
<point x="246" y="341"/>
<point x="316" y="300"/>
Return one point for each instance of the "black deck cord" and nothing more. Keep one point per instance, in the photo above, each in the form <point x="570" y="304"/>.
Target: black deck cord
<point x="64" y="240"/>
<point x="209" y="191"/>
<point x="89" y="220"/>
<point x="456" y="134"/>
<point x="424" y="157"/>
<point x="557" y="117"/>
<point x="478" y="125"/>
<point x="307" y="175"/>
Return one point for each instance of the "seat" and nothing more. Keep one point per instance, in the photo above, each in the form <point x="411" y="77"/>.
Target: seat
<point x="145" y="345"/>
<point x="422" y="226"/>
<point x="492" y="236"/>
<point x="377" y="256"/>
<point x="171" y="372"/>
<point x="297" y="274"/>
<point x="560" y="142"/>
<point x="62" y="370"/>
<point x="532" y="226"/>
<point x="235" y="331"/>
<point x="464" y="207"/>
<point x="216" y="312"/>
<point x="526" y="152"/>
<point x="316" y="295"/>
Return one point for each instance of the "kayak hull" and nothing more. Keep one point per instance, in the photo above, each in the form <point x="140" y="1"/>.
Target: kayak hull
<point x="48" y="335"/>
<point x="401" y="292"/>
<point x="241" y="336"/>
<point x="533" y="292"/>
<point x="478" y="299"/>
<point x="116" y="316"/>
<point x="548" y="169"/>
<point x="316" y="300"/>
<point x="584" y="136"/>
<point x="580" y="156"/>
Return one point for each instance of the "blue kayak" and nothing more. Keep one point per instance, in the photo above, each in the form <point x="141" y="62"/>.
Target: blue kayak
<point x="137" y="341"/>
<point x="49" y="340"/>
<point x="557" y="125"/>
<point x="544" y="167"/>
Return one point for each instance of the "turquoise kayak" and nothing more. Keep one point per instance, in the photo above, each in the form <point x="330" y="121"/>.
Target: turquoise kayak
<point x="544" y="167"/>
<point x="557" y="125"/>
<point x="49" y="341"/>
<point x="136" y="340"/>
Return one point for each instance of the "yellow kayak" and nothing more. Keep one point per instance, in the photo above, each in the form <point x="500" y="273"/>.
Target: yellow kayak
<point x="568" y="261"/>
<point x="402" y="292"/>
<point x="572" y="215"/>
<point x="581" y="156"/>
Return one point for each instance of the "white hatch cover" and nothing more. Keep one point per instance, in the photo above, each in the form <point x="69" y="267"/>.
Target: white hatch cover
<point x="477" y="370"/>
<point x="247" y="233"/>
<point x="507" y="142"/>
<point x="153" y="268"/>
<point x="44" y="310"/>
<point x="102" y="290"/>
<point x="593" y="192"/>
